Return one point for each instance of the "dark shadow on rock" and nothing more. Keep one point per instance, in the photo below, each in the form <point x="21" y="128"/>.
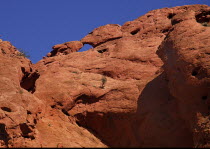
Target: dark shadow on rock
<point x="113" y="129"/>
<point x="4" y="135"/>
<point x="158" y="121"/>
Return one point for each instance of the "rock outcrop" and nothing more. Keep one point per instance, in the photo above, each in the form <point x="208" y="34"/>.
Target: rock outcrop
<point x="103" y="34"/>
<point x="19" y="109"/>
<point x="187" y="65"/>
<point x="65" y="48"/>
<point x="118" y="93"/>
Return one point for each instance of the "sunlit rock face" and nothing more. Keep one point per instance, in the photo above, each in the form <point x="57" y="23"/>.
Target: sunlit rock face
<point x="143" y="84"/>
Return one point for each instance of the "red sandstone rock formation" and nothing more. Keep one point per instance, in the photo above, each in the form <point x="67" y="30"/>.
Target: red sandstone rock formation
<point x="117" y="94"/>
<point x="187" y="65"/>
<point x="65" y="48"/>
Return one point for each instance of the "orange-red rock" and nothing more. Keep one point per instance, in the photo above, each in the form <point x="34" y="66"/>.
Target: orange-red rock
<point x="23" y="121"/>
<point x="185" y="53"/>
<point x="19" y="109"/>
<point x="103" y="34"/>
<point x="117" y="94"/>
<point x="65" y="48"/>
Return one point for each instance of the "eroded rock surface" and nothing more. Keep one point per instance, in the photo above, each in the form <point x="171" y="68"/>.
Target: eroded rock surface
<point x="19" y="109"/>
<point x="65" y="48"/>
<point x="103" y="34"/>
<point x="187" y="65"/>
<point x="25" y="120"/>
<point x="118" y="93"/>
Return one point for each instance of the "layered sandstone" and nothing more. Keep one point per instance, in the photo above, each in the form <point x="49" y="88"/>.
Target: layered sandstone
<point x="118" y="93"/>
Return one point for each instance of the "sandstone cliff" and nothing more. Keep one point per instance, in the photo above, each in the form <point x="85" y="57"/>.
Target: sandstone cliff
<point x="143" y="84"/>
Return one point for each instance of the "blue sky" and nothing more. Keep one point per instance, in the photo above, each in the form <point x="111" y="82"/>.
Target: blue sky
<point x="36" y="25"/>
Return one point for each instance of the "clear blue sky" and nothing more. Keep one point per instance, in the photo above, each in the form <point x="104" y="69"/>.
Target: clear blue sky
<point x="36" y="25"/>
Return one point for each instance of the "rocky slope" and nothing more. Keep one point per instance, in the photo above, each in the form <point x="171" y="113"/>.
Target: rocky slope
<point x="143" y="84"/>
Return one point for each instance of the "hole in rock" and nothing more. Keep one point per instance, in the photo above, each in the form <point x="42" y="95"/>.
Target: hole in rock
<point x="26" y="130"/>
<point x="35" y="121"/>
<point x="28" y="81"/>
<point x="85" y="48"/>
<point x="200" y="72"/>
<point x="6" y="109"/>
<point x="135" y="32"/>
<point x="85" y="99"/>
<point x="171" y="15"/>
<point x="23" y="70"/>
<point x="3" y="51"/>
<point x="53" y="52"/>
<point x="204" y="97"/>
<point x="108" y="73"/>
<point x="29" y="112"/>
<point x="62" y="50"/>
<point x="53" y="106"/>
<point x="203" y="18"/>
<point x="196" y="71"/>
<point x="175" y="22"/>
<point x="102" y="51"/>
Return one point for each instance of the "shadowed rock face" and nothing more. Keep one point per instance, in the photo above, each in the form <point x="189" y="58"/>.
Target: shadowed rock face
<point x="117" y="94"/>
<point x="187" y="65"/>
